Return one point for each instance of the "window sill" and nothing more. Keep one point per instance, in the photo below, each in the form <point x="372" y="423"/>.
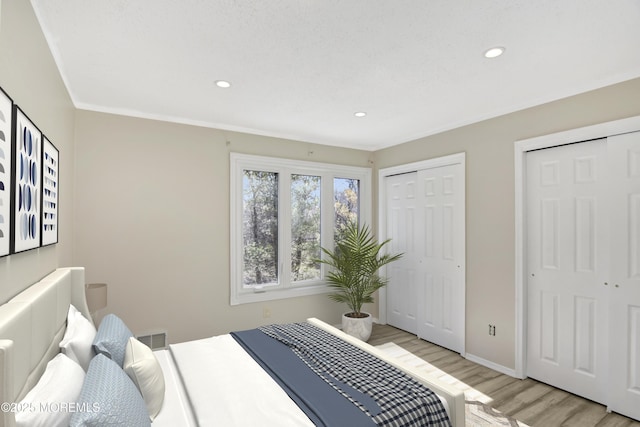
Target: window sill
<point x="267" y="294"/>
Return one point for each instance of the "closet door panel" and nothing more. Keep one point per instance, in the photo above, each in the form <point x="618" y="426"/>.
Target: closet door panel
<point x="567" y="261"/>
<point x="405" y="274"/>
<point x="441" y="294"/>
<point x="624" y="160"/>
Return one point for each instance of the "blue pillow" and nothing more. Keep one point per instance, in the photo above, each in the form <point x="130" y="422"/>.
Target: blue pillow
<point x="111" y="338"/>
<point x="109" y="398"/>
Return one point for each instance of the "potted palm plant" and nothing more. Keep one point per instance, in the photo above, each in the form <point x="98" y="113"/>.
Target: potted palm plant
<point x="354" y="275"/>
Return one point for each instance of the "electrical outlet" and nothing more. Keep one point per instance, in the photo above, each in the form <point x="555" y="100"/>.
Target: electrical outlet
<point x="492" y="330"/>
<point x="266" y="312"/>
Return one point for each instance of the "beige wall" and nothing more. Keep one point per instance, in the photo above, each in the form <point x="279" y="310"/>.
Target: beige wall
<point x="29" y="75"/>
<point x="490" y="223"/>
<point x="152" y="221"/>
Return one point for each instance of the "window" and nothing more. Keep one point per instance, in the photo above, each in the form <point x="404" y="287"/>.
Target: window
<point x="305" y="227"/>
<point x="259" y="228"/>
<point x="282" y="213"/>
<point x="345" y="202"/>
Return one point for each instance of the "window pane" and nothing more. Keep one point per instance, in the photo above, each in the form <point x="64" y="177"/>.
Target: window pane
<point x="346" y="201"/>
<point x="260" y="228"/>
<point x="305" y="227"/>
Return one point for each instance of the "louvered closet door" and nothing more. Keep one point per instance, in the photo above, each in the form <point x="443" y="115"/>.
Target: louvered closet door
<point x="401" y="227"/>
<point x="567" y="260"/>
<point x="624" y="283"/>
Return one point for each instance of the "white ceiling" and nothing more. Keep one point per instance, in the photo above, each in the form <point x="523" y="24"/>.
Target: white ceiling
<point x="300" y="69"/>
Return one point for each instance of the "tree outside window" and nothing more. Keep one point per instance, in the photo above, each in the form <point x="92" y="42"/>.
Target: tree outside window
<point x="260" y="228"/>
<point x="346" y="204"/>
<point x="305" y="227"/>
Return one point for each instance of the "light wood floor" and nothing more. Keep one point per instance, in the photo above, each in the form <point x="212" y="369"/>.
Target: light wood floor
<point x="529" y="401"/>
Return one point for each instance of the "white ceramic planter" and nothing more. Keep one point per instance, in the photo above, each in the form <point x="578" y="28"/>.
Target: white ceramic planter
<point x="358" y="327"/>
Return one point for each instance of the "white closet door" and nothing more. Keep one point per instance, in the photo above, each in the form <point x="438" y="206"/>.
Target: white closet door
<point x="624" y="160"/>
<point x="441" y="252"/>
<point x="567" y="259"/>
<point x="401" y="228"/>
<point x="425" y="221"/>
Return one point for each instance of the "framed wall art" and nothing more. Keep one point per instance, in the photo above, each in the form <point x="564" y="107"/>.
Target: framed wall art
<point x="6" y="120"/>
<point x="50" y="187"/>
<point x="27" y="166"/>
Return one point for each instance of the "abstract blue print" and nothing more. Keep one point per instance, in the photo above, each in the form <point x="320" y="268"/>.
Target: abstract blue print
<point x="6" y="114"/>
<point x="28" y="146"/>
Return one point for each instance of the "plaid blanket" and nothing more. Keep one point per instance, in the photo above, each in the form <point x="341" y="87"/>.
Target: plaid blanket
<point x="402" y="400"/>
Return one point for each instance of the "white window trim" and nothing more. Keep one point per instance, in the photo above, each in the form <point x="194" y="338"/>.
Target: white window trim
<point x="240" y="162"/>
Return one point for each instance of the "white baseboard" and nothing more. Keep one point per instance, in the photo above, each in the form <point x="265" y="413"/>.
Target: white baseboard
<point x="491" y="365"/>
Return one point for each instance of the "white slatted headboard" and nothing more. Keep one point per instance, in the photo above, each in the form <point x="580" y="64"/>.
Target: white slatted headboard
<point x="32" y="325"/>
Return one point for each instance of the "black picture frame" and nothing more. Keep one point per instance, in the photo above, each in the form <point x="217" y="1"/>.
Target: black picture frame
<point x="27" y="183"/>
<point x="50" y="192"/>
<point x="6" y="156"/>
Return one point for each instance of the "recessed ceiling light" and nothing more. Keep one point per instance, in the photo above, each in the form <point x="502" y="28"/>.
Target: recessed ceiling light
<point x="360" y="114"/>
<point x="494" y="52"/>
<point x="223" y="84"/>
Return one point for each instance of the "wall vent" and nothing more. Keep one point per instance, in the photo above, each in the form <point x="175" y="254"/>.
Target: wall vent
<point x="154" y="341"/>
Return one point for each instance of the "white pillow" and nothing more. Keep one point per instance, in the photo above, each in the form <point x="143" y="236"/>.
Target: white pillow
<point x="47" y="404"/>
<point x="78" y="338"/>
<point x="144" y="370"/>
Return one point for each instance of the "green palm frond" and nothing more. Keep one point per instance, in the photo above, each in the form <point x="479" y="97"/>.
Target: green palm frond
<point x="354" y="266"/>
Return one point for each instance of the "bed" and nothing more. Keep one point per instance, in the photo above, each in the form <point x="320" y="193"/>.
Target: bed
<point x="33" y="324"/>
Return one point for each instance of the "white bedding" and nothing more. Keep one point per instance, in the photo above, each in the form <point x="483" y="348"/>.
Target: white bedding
<point x="176" y="410"/>
<point x="228" y="388"/>
<point x="213" y="381"/>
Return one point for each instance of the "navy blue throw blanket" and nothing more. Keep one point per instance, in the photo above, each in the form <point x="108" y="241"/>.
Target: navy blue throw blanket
<point x="386" y="395"/>
<point x="317" y="399"/>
